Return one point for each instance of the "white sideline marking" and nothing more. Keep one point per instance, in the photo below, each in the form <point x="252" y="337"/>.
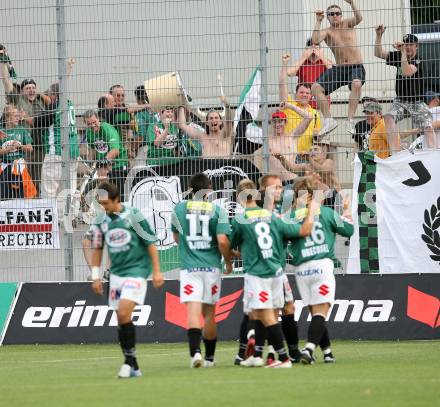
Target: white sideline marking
<point x="142" y="355"/>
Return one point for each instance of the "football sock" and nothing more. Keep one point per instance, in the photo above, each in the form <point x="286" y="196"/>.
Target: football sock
<point x="260" y="338"/>
<point x="324" y="343"/>
<point x="243" y="336"/>
<point x="316" y="330"/>
<point x="127" y="341"/>
<point x="290" y="331"/>
<point x="194" y="338"/>
<point x="209" y="348"/>
<point x="275" y="335"/>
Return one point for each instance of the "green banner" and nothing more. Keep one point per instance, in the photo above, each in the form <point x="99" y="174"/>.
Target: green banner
<point x="7" y="293"/>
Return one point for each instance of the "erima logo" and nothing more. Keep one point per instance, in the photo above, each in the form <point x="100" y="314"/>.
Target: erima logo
<point x="176" y="313"/>
<point x="423" y="307"/>
<point x="354" y="311"/>
<point x="80" y="315"/>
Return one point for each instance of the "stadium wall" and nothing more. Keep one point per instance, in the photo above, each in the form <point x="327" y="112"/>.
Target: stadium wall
<point x="382" y="307"/>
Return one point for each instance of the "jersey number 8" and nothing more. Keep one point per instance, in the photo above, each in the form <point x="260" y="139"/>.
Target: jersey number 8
<point x="264" y="238"/>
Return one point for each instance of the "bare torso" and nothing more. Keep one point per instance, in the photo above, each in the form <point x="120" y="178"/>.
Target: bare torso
<point x="216" y="145"/>
<point x="285" y="145"/>
<point x="343" y="43"/>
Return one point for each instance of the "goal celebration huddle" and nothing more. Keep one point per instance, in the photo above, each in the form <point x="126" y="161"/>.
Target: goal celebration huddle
<point x="266" y="237"/>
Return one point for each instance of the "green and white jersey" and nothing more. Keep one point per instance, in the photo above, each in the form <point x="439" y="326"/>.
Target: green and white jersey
<point x="143" y="120"/>
<point x="127" y="235"/>
<point x="165" y="153"/>
<point x="321" y="243"/>
<point x="198" y="224"/>
<point x="19" y="134"/>
<point x="105" y="140"/>
<point x="261" y="238"/>
<point x="52" y="135"/>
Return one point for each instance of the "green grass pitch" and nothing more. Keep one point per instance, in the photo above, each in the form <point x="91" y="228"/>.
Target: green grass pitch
<point x="379" y="374"/>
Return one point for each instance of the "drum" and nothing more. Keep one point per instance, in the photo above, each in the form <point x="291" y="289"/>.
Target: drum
<point x="166" y="90"/>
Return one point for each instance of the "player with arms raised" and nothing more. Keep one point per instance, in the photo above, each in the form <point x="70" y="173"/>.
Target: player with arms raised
<point x="312" y="258"/>
<point x="201" y="230"/>
<point x="261" y="238"/>
<point x="133" y="255"/>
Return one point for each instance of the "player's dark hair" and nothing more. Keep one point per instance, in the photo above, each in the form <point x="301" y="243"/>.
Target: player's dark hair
<point x="303" y="84"/>
<point x="264" y="180"/>
<point x="113" y="87"/>
<point x="111" y="189"/>
<point x="199" y="182"/>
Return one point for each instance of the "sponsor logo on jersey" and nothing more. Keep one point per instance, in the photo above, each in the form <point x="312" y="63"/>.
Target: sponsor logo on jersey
<point x="101" y="146"/>
<point x="176" y="312"/>
<point x="423" y="307"/>
<point x="118" y="237"/>
<point x="80" y="315"/>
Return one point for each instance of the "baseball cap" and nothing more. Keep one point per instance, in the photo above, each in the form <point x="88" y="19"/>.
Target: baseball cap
<point x="279" y="115"/>
<point x="372" y="107"/>
<point x="430" y="95"/>
<point x="410" y="39"/>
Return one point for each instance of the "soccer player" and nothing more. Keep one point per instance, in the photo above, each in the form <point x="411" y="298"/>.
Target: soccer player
<point x="201" y="230"/>
<point x="313" y="257"/>
<point x="260" y="236"/>
<point x="133" y="255"/>
<point x="271" y="189"/>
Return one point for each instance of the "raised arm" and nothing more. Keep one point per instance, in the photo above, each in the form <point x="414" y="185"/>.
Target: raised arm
<point x="320" y="53"/>
<point x="357" y="18"/>
<point x="181" y="123"/>
<point x="378" y="49"/>
<point x="6" y="80"/>
<point x="318" y="35"/>
<point x="293" y="70"/>
<point x="282" y="82"/>
<point x="307" y="118"/>
<point x="229" y="118"/>
<point x="407" y="68"/>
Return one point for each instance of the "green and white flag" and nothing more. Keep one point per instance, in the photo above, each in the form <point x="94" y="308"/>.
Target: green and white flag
<point x="247" y="110"/>
<point x="396" y="213"/>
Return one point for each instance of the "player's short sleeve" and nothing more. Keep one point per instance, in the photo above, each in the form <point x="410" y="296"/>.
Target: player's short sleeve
<point x="143" y="228"/>
<point x="223" y="225"/>
<point x="394" y="58"/>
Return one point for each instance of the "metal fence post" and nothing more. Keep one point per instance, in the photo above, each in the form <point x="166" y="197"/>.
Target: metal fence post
<point x="264" y="98"/>
<point x="64" y="128"/>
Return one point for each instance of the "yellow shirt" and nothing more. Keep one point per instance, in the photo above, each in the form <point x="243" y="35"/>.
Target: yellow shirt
<point x="378" y="140"/>
<point x="305" y="141"/>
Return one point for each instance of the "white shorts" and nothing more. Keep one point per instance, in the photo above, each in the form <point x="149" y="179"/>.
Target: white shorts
<point x="246" y="309"/>
<point x="127" y="288"/>
<point x="200" y="286"/>
<point x="316" y="282"/>
<point x="288" y="294"/>
<point x="264" y="293"/>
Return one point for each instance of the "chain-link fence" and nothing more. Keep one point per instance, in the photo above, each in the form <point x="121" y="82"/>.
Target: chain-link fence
<point x="147" y="93"/>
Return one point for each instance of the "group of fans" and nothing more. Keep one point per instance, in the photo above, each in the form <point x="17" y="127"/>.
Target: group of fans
<point x="124" y="136"/>
<point x="261" y="235"/>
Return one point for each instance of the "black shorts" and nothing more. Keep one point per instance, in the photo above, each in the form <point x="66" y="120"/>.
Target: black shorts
<point x="341" y="75"/>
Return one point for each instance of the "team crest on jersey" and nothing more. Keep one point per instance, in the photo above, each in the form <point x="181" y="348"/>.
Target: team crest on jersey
<point x="101" y="146"/>
<point x="118" y="237"/>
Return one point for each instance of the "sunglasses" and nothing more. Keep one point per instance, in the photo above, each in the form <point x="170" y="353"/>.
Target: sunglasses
<point x="334" y="13"/>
